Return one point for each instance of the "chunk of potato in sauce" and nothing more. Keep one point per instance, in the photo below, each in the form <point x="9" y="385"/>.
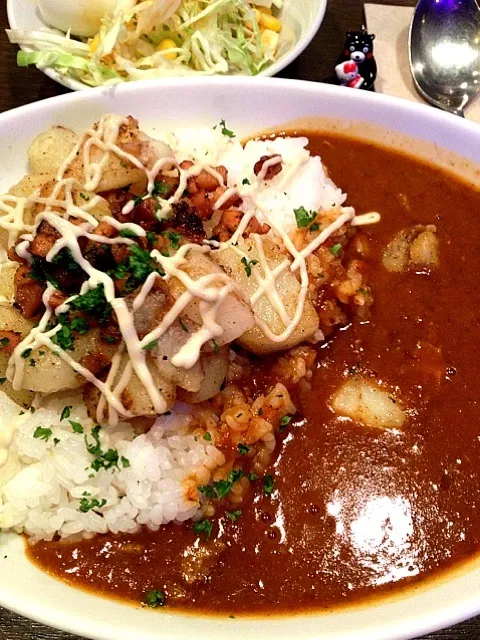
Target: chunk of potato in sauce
<point x="355" y="512"/>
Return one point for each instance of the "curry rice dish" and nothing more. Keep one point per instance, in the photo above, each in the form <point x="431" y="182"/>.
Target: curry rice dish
<point x="226" y="386"/>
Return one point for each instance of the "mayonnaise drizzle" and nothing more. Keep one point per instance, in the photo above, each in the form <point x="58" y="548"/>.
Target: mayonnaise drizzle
<point x="210" y="290"/>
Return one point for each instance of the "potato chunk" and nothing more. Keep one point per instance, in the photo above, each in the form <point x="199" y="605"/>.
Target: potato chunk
<point x="415" y="247"/>
<point x="365" y="402"/>
<point x="288" y="289"/>
<point x="50" y="149"/>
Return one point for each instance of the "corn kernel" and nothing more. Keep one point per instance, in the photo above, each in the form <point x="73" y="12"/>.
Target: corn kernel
<point x="166" y="44"/>
<point x="270" y="22"/>
<point x="93" y="43"/>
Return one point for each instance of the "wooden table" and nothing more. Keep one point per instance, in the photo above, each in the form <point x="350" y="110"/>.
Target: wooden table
<point x="18" y="87"/>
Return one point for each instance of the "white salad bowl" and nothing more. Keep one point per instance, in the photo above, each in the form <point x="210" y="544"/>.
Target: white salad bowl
<point x="249" y="106"/>
<point x="304" y="17"/>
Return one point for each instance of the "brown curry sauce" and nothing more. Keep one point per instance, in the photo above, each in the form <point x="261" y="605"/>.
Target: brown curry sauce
<point x="354" y="511"/>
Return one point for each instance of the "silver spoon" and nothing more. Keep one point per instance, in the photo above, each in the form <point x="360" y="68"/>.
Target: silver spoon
<point x="445" y="52"/>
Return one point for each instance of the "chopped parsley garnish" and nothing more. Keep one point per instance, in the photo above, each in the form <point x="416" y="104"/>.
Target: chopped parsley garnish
<point x="268" y="484"/>
<point x="215" y="346"/>
<point x="160" y="188"/>
<point x="138" y="265"/>
<point x="173" y="238"/>
<point x="86" y="504"/>
<point x="243" y="449"/>
<point x="138" y="200"/>
<point x="151" y="345"/>
<point x="364" y="291"/>
<point x="102" y="459"/>
<point x="95" y="302"/>
<point x="32" y="362"/>
<point x="224" y="130"/>
<point x="2" y="380"/>
<point x="248" y="264"/>
<point x="252" y="477"/>
<point x="43" y="433"/>
<point x="151" y="238"/>
<point x="304" y="217"/>
<point x="284" y="421"/>
<point x="335" y="250"/>
<point x="127" y="233"/>
<point x="233" y="515"/>
<point x="4" y="342"/>
<point x="76" y="426"/>
<point x="65" y="259"/>
<point x="154" y="598"/>
<point x="56" y="441"/>
<point x="207" y="436"/>
<point x="84" y="196"/>
<point x="39" y="273"/>
<point x="65" y="412"/>
<point x="204" y="527"/>
<point x="245" y="181"/>
<point x="64" y="337"/>
<point x="183" y="325"/>
<point x="26" y="353"/>
<point x="207" y="490"/>
<point x="315" y="227"/>
<point x="222" y="488"/>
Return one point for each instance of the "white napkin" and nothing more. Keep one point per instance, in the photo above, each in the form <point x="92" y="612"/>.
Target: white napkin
<point x="390" y="26"/>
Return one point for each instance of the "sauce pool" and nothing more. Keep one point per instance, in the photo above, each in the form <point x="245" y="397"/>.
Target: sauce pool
<point x="355" y="512"/>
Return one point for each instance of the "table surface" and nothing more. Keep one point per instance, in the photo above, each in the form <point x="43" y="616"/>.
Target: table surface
<point x="18" y="87"/>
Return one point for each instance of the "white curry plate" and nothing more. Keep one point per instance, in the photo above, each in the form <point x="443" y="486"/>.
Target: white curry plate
<point x="249" y="106"/>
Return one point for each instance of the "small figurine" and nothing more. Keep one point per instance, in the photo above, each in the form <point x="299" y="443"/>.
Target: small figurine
<point x="347" y="73"/>
<point x="358" y="48"/>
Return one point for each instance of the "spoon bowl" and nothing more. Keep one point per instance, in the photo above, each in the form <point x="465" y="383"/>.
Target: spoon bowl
<point x="444" y="52"/>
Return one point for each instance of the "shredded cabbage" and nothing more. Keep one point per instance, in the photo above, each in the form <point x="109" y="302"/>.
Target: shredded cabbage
<point x="158" y="38"/>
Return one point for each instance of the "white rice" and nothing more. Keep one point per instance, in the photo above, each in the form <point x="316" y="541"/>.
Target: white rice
<point x="43" y="483"/>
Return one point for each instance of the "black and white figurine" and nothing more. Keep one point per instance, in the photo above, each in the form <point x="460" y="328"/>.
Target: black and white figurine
<point x="356" y="66"/>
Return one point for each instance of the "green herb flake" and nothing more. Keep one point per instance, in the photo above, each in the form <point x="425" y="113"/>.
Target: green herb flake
<point x="243" y="449"/>
<point x="226" y="132"/>
<point x="56" y="441"/>
<point x="173" y="238"/>
<point x="95" y="302"/>
<point x="125" y="462"/>
<point x="215" y="346"/>
<point x="335" y="250"/>
<point x="248" y="264"/>
<point x="43" y="433"/>
<point x="151" y="345"/>
<point x="86" y="504"/>
<point x="252" y="477"/>
<point x="32" y="362"/>
<point x="26" y="353"/>
<point x="151" y="238"/>
<point x="233" y="515"/>
<point x="4" y="342"/>
<point x="245" y="181"/>
<point x="207" y="436"/>
<point x="127" y="233"/>
<point x="284" y="422"/>
<point x="160" y="188"/>
<point x="268" y="484"/>
<point x="183" y="325"/>
<point x="203" y="527"/>
<point x="304" y="217"/>
<point x="154" y="599"/>
<point x="208" y="491"/>
<point x="84" y="196"/>
<point x="315" y="227"/>
<point x="76" y="426"/>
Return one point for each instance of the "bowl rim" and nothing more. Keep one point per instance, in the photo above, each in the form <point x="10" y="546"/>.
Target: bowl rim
<point x="420" y="622"/>
<point x="320" y="7"/>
